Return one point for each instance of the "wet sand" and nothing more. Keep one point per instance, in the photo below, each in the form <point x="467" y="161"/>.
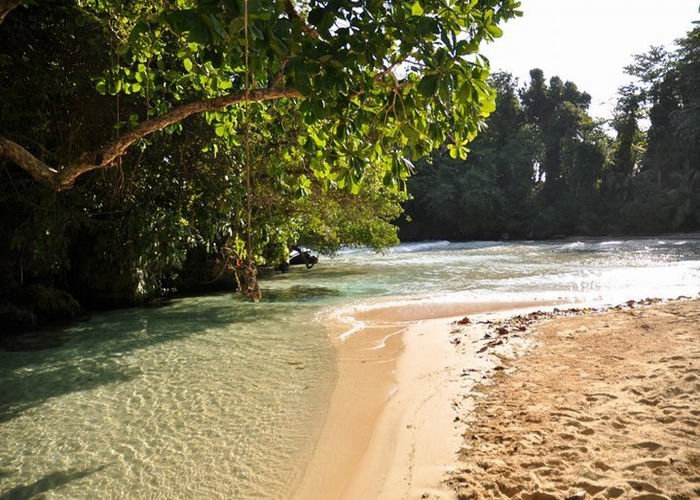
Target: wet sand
<point x="606" y="406"/>
<point x="390" y="431"/>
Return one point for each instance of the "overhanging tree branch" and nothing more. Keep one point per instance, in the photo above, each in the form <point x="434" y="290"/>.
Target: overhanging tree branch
<point x="6" y="6"/>
<point x="63" y="179"/>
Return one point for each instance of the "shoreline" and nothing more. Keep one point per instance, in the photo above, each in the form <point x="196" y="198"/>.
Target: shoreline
<point x="40" y="335"/>
<point x="389" y="429"/>
<point x="405" y="388"/>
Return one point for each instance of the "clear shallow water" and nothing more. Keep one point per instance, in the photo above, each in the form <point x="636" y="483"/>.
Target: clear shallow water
<point x="211" y="397"/>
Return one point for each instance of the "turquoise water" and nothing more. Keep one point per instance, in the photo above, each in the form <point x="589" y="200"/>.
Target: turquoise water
<point x="212" y="397"/>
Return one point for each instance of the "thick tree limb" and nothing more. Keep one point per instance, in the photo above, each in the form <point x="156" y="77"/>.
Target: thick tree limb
<point x="63" y="179"/>
<point x="6" y="6"/>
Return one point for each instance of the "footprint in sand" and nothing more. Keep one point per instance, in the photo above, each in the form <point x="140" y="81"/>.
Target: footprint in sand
<point x="649" y="464"/>
<point x="672" y="358"/>
<point x="614" y="492"/>
<point x="648" y="402"/>
<point x="602" y="466"/>
<point x="590" y="488"/>
<point x="648" y="445"/>
<point x="619" y="424"/>
<point x="643" y="486"/>
<point x="594" y="397"/>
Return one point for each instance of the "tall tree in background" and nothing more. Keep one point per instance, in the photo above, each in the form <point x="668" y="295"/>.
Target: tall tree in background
<point x="557" y="110"/>
<point x="488" y="196"/>
<point x="627" y="149"/>
<point x="545" y="168"/>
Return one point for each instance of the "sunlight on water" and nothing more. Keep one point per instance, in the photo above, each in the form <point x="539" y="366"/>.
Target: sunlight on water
<point x="207" y="398"/>
<point x="211" y="397"/>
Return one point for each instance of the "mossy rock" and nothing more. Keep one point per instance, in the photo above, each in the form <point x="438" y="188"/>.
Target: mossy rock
<point x="50" y="304"/>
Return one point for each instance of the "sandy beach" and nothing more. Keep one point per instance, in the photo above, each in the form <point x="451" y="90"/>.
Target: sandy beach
<point x="605" y="406"/>
<point x="390" y="430"/>
<point x="543" y="406"/>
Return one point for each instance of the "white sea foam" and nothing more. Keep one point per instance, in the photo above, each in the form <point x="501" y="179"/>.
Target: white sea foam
<point x="446" y="273"/>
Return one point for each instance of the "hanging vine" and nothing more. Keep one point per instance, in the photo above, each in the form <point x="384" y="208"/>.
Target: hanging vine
<point x="249" y="279"/>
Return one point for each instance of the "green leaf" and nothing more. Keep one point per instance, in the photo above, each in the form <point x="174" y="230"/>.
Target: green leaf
<point x="225" y="84"/>
<point x="452" y="148"/>
<point x="428" y="85"/>
<point x="494" y="30"/>
<point x="187" y="62"/>
<point x="417" y="8"/>
<point x="220" y="130"/>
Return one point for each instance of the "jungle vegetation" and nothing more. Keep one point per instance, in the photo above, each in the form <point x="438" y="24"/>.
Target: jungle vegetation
<point x="150" y="146"/>
<point x="545" y="168"/>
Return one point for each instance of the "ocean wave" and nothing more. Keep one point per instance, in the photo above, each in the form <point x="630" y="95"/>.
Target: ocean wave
<point x="422" y="246"/>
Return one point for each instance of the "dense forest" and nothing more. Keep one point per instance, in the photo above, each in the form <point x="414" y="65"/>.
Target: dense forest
<point x="544" y="168"/>
<point x="152" y="147"/>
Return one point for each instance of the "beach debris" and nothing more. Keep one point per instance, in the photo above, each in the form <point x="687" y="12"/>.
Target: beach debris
<point x="456" y="341"/>
<point x="508" y="328"/>
<point x="493" y="343"/>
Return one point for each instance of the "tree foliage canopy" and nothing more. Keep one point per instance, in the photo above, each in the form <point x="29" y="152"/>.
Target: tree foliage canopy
<point x="376" y="81"/>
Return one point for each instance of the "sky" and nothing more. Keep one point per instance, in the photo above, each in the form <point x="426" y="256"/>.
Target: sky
<point x="588" y="41"/>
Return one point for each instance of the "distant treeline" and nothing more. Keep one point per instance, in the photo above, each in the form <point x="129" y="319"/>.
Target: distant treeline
<point x="545" y="168"/>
